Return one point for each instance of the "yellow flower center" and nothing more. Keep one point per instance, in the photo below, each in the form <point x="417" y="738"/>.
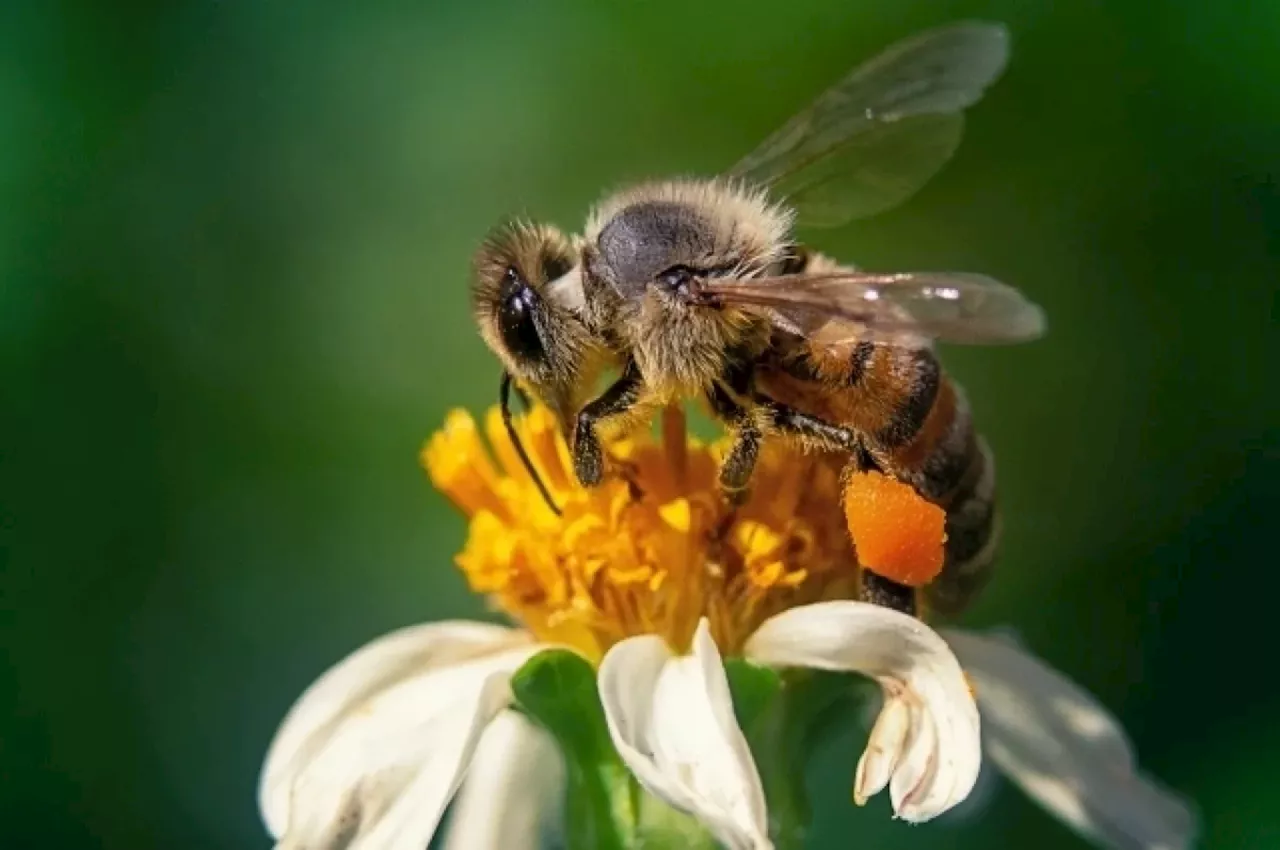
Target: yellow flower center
<point x="652" y="549"/>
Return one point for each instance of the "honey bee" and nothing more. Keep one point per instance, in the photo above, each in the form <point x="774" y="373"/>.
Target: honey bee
<point x="698" y="289"/>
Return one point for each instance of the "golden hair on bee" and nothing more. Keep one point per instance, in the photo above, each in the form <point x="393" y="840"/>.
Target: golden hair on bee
<point x="741" y="218"/>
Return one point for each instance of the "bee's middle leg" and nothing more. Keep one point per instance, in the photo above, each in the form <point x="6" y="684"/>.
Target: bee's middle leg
<point x="740" y="462"/>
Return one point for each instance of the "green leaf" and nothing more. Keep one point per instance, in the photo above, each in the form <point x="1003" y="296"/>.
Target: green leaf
<point x="557" y="689"/>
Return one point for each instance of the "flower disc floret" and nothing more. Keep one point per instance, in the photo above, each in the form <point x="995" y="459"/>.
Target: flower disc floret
<point x="654" y="547"/>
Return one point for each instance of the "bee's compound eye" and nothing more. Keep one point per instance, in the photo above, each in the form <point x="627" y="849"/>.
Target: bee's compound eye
<point x="516" y="318"/>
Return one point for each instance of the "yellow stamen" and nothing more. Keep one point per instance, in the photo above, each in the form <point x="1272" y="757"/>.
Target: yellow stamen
<point x="651" y="550"/>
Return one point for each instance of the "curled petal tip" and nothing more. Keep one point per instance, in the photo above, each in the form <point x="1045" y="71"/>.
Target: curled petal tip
<point x="884" y="750"/>
<point x="925" y="744"/>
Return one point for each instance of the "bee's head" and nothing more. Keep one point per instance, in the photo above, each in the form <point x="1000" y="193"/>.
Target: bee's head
<point x="526" y="294"/>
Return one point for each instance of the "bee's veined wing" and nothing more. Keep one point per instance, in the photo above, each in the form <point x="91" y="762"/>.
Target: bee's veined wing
<point x="908" y="308"/>
<point x="876" y="137"/>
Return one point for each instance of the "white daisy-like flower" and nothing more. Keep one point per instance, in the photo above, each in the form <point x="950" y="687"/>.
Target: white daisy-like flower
<point x="652" y="580"/>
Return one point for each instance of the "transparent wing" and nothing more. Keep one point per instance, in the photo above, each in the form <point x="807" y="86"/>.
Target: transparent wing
<point x="909" y="308"/>
<point x="876" y="137"/>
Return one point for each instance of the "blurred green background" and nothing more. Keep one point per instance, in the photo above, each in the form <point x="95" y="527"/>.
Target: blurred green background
<point x="234" y="241"/>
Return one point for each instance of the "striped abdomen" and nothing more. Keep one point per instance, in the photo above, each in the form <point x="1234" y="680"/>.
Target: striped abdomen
<point x="909" y="420"/>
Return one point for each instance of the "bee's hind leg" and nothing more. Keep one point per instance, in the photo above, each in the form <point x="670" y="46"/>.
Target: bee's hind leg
<point x="888" y="593"/>
<point x="807" y="427"/>
<point x="872" y="588"/>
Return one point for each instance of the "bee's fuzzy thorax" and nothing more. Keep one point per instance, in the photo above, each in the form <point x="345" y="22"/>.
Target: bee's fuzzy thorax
<point x="759" y="228"/>
<point x="637" y="244"/>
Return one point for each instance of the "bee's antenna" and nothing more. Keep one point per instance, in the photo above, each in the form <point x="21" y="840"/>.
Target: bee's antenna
<point x="504" y="402"/>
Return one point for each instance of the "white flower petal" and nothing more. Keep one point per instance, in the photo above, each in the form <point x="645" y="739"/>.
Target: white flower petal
<point x="377" y="665"/>
<point x="917" y="774"/>
<point x="513" y="791"/>
<point x="382" y="774"/>
<point x="936" y="762"/>
<point x="1067" y="752"/>
<point x="671" y="720"/>
<point x="884" y="749"/>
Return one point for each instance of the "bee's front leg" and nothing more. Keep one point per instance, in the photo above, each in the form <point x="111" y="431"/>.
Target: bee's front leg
<point x="622" y="394"/>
